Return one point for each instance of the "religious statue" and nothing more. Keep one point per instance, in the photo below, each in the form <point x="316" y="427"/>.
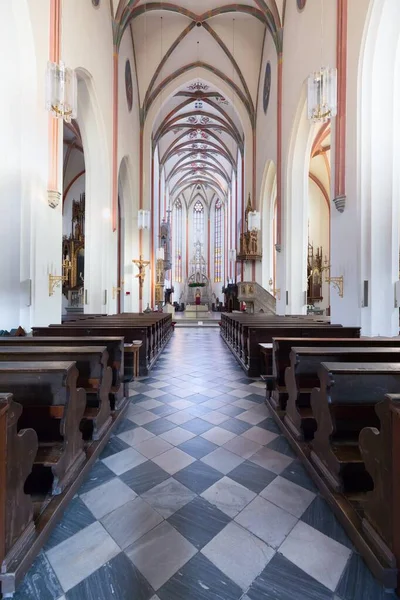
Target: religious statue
<point x="141" y="265"/>
<point x="198" y="297"/>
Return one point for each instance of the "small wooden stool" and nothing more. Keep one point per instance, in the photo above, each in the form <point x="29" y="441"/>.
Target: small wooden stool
<point x="134" y="349"/>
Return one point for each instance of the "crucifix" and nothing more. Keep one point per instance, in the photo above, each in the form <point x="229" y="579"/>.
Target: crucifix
<point x="141" y="265"/>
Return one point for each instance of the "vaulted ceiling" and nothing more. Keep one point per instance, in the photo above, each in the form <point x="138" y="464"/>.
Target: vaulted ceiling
<point x="197" y="131"/>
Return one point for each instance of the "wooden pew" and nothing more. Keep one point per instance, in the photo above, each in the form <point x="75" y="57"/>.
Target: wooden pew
<point x="281" y="357"/>
<point x="302" y="376"/>
<point x="115" y="350"/>
<point x="154" y="332"/>
<point x="17" y="453"/>
<point x="380" y="450"/>
<point x="342" y="406"/>
<point x="94" y="376"/>
<point x="54" y="408"/>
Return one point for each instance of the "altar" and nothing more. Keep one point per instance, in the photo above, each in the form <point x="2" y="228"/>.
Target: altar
<point x="197" y="294"/>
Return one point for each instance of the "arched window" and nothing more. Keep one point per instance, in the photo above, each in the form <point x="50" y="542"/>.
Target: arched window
<point x="178" y="240"/>
<point x="218" y="242"/>
<point x="198" y="222"/>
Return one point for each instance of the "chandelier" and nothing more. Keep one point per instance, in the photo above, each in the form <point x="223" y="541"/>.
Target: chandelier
<point x="61" y="91"/>
<point x="322" y="95"/>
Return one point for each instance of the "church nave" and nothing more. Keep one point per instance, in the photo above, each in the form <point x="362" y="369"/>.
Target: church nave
<point x="198" y="497"/>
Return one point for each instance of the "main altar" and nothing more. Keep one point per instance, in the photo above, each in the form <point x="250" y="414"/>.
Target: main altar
<point x="197" y="294"/>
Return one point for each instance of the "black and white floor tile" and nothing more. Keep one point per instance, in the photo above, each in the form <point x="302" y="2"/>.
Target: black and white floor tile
<point x="197" y="496"/>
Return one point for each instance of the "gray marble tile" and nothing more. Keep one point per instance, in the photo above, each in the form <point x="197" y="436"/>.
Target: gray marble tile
<point x="288" y="495"/>
<point x="259" y="435"/>
<point x="76" y="517"/>
<point x="114" y="445"/>
<point x="242" y="446"/>
<point x="296" y="472"/>
<point x="266" y="521"/>
<point x="153" y="393"/>
<point x="198" y="410"/>
<point x="164" y="410"/>
<point x="218" y="436"/>
<point x="236" y="426"/>
<point x="123" y="461"/>
<point x="118" y="579"/>
<point x="271" y="460"/>
<point x="215" y="417"/>
<point x="128" y="523"/>
<point x="199" y="579"/>
<point x="198" y="476"/>
<point x="198" y="398"/>
<point x="282" y="580"/>
<point x="149" y="402"/>
<point x="81" y="555"/>
<point x="229" y="496"/>
<point x="325" y="559"/>
<point x="199" y="521"/>
<point x="358" y="583"/>
<point x="320" y="516"/>
<point x="179" y="418"/>
<point x="198" y="447"/>
<point x="40" y="583"/>
<point x="160" y="553"/>
<point x="125" y="425"/>
<point x="231" y="411"/>
<point x="160" y="426"/>
<point x="173" y="460"/>
<point x="270" y="425"/>
<point x="98" y="475"/>
<point x="251" y="416"/>
<point x="222" y="460"/>
<point x="153" y="447"/>
<point x="280" y="444"/>
<point x="197" y="426"/>
<point x="168" y="497"/>
<point x="238" y="554"/>
<point x="107" y="497"/>
<point x="252" y="476"/>
<point x="177" y="436"/>
<point x="144" y="477"/>
<point x="133" y="437"/>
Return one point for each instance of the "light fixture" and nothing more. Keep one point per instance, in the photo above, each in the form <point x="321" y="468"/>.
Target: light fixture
<point x="160" y="254"/>
<point x="322" y="95"/>
<point x="254" y="221"/>
<point x="61" y="91"/>
<point x="144" y="219"/>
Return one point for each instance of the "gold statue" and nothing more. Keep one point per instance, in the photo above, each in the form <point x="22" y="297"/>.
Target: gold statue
<point x="141" y="265"/>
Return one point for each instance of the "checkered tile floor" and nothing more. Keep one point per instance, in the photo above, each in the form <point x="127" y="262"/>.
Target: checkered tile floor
<point x="198" y="497"/>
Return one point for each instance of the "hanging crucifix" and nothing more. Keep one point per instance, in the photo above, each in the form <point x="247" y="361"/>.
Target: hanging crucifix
<point x="141" y="265"/>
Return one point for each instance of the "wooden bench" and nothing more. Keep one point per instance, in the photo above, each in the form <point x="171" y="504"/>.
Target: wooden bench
<point x="380" y="450"/>
<point x="54" y="408"/>
<point x="17" y="454"/>
<point x="343" y="405"/>
<point x="247" y="332"/>
<point x="302" y="376"/>
<point x="94" y="376"/>
<point x="281" y="358"/>
<point x="154" y="332"/>
<point x="115" y="350"/>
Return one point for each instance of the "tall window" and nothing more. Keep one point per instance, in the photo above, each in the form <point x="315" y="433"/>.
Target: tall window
<point x="218" y="242"/>
<point x="178" y="240"/>
<point x="198" y="222"/>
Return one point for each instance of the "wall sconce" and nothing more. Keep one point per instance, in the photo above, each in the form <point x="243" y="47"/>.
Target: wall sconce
<point x="144" y="219"/>
<point x="274" y="291"/>
<point x="160" y="254"/>
<point x="336" y="281"/>
<point x="117" y="290"/>
<point x="55" y="280"/>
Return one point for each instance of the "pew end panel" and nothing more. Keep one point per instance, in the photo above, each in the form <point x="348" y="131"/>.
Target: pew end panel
<point x="378" y="448"/>
<point x="17" y="453"/>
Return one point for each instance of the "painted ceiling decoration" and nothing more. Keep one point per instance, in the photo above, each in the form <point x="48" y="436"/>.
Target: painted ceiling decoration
<point x="199" y="72"/>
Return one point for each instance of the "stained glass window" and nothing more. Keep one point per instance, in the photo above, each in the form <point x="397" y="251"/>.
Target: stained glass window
<point x="218" y="242"/>
<point x="178" y="240"/>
